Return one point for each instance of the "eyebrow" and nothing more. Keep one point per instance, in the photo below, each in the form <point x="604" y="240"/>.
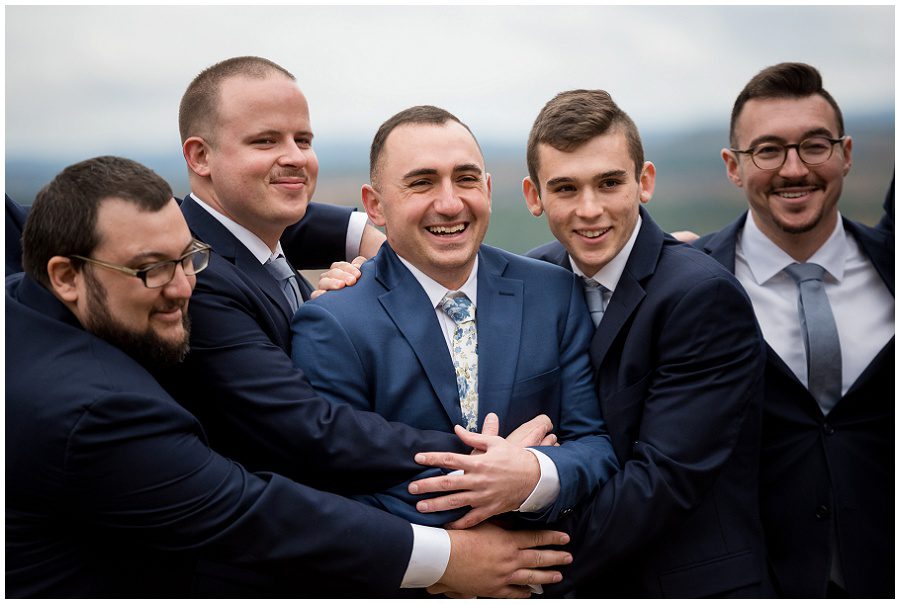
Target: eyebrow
<point x="276" y="133"/>
<point x="769" y="138"/>
<point x="156" y="256"/>
<point x="602" y="175"/>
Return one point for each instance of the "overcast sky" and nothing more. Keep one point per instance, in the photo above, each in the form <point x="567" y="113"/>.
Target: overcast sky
<point x="81" y="81"/>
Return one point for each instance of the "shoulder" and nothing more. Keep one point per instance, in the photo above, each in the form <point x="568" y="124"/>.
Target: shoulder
<point x="549" y="252"/>
<point x="354" y="299"/>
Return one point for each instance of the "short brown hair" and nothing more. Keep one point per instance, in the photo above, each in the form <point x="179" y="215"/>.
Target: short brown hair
<point x="199" y="105"/>
<point x="784" y="81"/>
<point x="574" y="117"/>
<point x="63" y="219"/>
<point x="420" y="114"/>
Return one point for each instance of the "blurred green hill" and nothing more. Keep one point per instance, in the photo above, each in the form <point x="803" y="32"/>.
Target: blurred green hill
<point x="692" y="191"/>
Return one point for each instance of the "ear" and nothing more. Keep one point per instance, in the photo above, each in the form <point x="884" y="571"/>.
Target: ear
<point x="648" y="181"/>
<point x="532" y="197"/>
<point x="196" y="154"/>
<point x="732" y="167"/>
<point x="848" y="155"/>
<point x="490" y="185"/>
<point x="64" y="279"/>
<point x="372" y="202"/>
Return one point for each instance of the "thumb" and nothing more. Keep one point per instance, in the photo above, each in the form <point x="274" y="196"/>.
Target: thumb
<point x="491" y="425"/>
<point x="473" y="439"/>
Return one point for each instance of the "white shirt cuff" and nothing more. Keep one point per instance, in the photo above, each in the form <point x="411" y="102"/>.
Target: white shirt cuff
<point x="546" y="490"/>
<point x="429" y="558"/>
<point x="355" y="227"/>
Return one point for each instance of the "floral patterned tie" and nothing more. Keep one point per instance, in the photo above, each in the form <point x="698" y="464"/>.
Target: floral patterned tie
<point x="464" y="350"/>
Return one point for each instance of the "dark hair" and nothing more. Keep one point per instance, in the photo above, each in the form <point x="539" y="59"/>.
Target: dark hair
<point x="784" y="81"/>
<point x="574" y="117"/>
<point x="420" y="114"/>
<point x="63" y="219"/>
<point x="199" y="105"/>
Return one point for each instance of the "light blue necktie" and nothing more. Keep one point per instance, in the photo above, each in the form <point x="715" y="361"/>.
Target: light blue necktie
<point x="593" y="295"/>
<point x="287" y="280"/>
<point x="820" y="335"/>
<point x="464" y="351"/>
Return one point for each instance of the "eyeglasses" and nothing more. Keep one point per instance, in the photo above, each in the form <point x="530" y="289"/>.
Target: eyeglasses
<point x="159" y="274"/>
<point x="812" y="151"/>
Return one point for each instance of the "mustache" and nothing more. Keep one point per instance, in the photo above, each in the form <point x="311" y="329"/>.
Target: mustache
<point x="289" y="173"/>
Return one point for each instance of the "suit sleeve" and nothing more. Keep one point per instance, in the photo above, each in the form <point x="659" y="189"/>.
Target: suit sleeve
<point x="586" y="458"/>
<point x="319" y="239"/>
<point x="15" y="222"/>
<point x="324" y="351"/>
<point x="706" y="382"/>
<point x="138" y="469"/>
<point x="261" y="411"/>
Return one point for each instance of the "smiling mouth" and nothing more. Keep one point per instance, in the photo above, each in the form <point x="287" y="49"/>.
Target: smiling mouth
<point x="443" y="231"/>
<point x="593" y="233"/>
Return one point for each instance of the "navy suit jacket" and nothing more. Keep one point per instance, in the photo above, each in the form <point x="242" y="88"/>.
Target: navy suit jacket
<point x="816" y="470"/>
<point x="256" y="406"/>
<point x="15" y="222"/>
<point x="112" y="490"/>
<point x="678" y="361"/>
<point x="378" y="346"/>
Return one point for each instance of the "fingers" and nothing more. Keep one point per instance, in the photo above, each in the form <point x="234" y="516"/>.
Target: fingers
<point x="529" y="576"/>
<point x="443" y="503"/>
<point x="549" y="441"/>
<point x="358" y="261"/>
<point x="531" y="539"/>
<point x="339" y="275"/>
<point x="473" y="439"/>
<point x="512" y="591"/>
<point x="472" y="518"/>
<point x="451" y="461"/>
<point x="316" y="293"/>
<point x="531" y="432"/>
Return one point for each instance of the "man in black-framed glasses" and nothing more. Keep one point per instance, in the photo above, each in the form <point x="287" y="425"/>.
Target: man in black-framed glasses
<point x="822" y="288"/>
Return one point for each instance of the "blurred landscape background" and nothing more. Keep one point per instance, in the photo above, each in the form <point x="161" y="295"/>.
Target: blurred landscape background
<point x="83" y="81"/>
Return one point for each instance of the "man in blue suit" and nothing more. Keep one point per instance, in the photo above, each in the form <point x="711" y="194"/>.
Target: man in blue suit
<point x="247" y="142"/>
<point x="678" y="362"/>
<point x="389" y="344"/>
<point x="112" y="489"/>
<point x="827" y="470"/>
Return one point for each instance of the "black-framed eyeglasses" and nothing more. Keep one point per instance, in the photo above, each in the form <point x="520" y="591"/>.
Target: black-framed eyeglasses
<point x="159" y="274"/>
<point x="812" y="151"/>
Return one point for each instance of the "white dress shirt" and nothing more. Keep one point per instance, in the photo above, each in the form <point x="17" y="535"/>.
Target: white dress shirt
<point x="863" y="306"/>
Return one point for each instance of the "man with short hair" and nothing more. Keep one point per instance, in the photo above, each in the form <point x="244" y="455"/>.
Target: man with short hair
<point x="454" y="330"/>
<point x="112" y="489"/>
<point x="678" y="362"/>
<point x="822" y="287"/>
<point x="247" y="141"/>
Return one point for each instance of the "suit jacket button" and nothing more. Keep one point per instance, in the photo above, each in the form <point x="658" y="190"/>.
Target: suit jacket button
<point x="567" y="511"/>
<point x="828" y="428"/>
<point x="822" y="512"/>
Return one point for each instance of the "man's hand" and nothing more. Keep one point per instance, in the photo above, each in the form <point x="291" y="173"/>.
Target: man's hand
<point x="685" y="236"/>
<point x="340" y="274"/>
<point x="493" y="483"/>
<point x="533" y="433"/>
<point x="489" y="561"/>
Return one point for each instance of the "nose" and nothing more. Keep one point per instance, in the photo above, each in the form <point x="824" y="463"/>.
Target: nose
<point x="181" y="286"/>
<point x="448" y="202"/>
<point x="589" y="206"/>
<point x="793" y="166"/>
<point x="294" y="155"/>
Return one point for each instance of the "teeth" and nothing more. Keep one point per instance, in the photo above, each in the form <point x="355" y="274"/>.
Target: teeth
<point x="792" y="195"/>
<point x="592" y="234"/>
<point x="447" y="230"/>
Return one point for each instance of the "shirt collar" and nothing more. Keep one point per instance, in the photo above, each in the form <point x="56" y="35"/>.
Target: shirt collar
<point x="609" y="275"/>
<point x="436" y="292"/>
<point x="250" y="241"/>
<point x="765" y="259"/>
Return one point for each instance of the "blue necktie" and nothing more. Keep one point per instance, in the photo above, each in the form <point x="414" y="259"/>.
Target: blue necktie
<point x="593" y="295"/>
<point x="287" y="280"/>
<point x="464" y="352"/>
<point x="820" y="335"/>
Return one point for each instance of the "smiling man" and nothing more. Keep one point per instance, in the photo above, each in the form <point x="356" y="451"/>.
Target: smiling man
<point x="453" y="330"/>
<point x="822" y="287"/>
<point x="677" y="360"/>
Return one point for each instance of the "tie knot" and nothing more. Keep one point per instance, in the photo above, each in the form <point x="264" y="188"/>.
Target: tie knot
<point x="593" y="284"/>
<point x="808" y="271"/>
<point x="458" y="307"/>
<point x="279" y="268"/>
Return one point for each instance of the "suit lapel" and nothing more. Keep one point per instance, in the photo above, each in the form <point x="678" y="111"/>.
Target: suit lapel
<point x="499" y="320"/>
<point x="629" y="291"/>
<point x="410" y="309"/>
<point x="209" y="230"/>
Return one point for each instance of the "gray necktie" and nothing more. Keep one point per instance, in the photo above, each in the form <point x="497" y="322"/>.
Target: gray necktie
<point x="593" y="295"/>
<point x="284" y="275"/>
<point x="820" y="335"/>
